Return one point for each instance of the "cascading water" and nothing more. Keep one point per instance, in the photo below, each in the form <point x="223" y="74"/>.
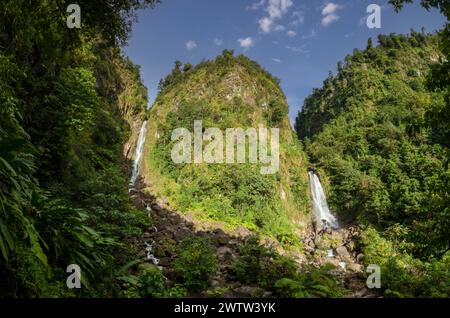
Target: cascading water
<point x="134" y="175"/>
<point x="322" y="214"/>
<point x="150" y="256"/>
<point x="138" y="154"/>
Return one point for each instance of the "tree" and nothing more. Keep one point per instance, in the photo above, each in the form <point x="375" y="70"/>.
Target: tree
<point x="439" y="77"/>
<point x="228" y="54"/>
<point x="62" y="129"/>
<point x="442" y="5"/>
<point x="112" y="19"/>
<point x="187" y="67"/>
<point x="369" y="44"/>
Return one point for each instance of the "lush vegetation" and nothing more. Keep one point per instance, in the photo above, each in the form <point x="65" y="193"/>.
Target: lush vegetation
<point x="67" y="98"/>
<point x="264" y="267"/>
<point x="377" y="132"/>
<point x="225" y="93"/>
<point x="368" y="131"/>
<point x="196" y="262"/>
<point x="403" y="275"/>
<point x="190" y="273"/>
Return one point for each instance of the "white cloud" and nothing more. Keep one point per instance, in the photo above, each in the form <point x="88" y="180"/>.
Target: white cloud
<point x="298" y="49"/>
<point x="276" y="60"/>
<point x="291" y="33"/>
<point x="218" y="42"/>
<point x="265" y="24"/>
<point x="276" y="9"/>
<point x="330" y="8"/>
<point x="279" y="27"/>
<point x="327" y="20"/>
<point x="190" y="45"/>
<point x="246" y="43"/>
<point x="329" y="13"/>
<point x="299" y="18"/>
<point x="256" y="5"/>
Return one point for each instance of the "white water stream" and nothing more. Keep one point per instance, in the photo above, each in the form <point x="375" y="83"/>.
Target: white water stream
<point x="134" y="176"/>
<point x="138" y="154"/>
<point x="322" y="214"/>
<point x="150" y="256"/>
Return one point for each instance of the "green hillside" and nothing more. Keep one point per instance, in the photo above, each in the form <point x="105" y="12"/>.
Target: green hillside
<point x="228" y="92"/>
<point x="366" y="130"/>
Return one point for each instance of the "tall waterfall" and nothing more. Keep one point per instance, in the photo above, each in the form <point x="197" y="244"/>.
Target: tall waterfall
<point x="322" y="213"/>
<point x="138" y="154"/>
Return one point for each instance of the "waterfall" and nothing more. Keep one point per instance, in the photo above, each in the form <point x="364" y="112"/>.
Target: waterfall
<point x="322" y="214"/>
<point x="136" y="165"/>
<point x="138" y="154"/>
<point x="150" y="256"/>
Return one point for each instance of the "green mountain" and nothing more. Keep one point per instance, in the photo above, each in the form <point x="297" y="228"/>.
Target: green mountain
<point x="71" y="111"/>
<point x="387" y="170"/>
<point x="228" y="92"/>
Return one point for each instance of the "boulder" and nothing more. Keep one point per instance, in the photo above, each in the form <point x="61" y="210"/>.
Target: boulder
<point x="249" y="292"/>
<point x="214" y="283"/>
<point x="359" y="257"/>
<point x="331" y="260"/>
<point x="351" y="246"/>
<point x="224" y="253"/>
<point x="355" y="267"/>
<point x="181" y="232"/>
<point x="243" y="232"/>
<point x="309" y="250"/>
<point x="165" y="262"/>
<point x="233" y="242"/>
<point x="267" y="294"/>
<point x="342" y="252"/>
<point x="221" y="239"/>
<point x="189" y="217"/>
<point x="163" y="202"/>
<point x="155" y="207"/>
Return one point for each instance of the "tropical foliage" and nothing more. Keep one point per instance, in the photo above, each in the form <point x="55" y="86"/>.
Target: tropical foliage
<point x="63" y="193"/>
<point x="368" y="128"/>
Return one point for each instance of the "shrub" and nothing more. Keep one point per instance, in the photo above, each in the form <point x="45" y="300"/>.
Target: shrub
<point x="289" y="288"/>
<point x="401" y="274"/>
<point x="195" y="262"/>
<point x="262" y="266"/>
<point x="152" y="282"/>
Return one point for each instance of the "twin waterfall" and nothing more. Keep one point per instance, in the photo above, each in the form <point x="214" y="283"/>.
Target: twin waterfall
<point x="138" y="154"/>
<point x="322" y="214"/>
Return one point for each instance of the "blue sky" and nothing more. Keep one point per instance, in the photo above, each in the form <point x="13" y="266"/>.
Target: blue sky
<point x="298" y="41"/>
